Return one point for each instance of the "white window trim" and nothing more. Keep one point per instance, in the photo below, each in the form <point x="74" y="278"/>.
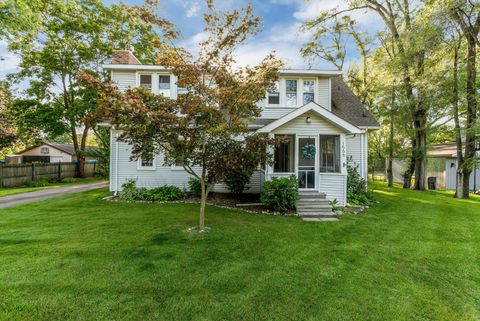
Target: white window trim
<point x="281" y="91"/>
<point x="147" y="168"/>
<point x="156" y="82"/>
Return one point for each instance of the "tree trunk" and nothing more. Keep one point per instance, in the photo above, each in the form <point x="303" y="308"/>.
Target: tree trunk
<point x="465" y="169"/>
<point x="420" y="157"/>
<point x="203" y="203"/>
<point x="407" y="176"/>
<point x="456" y="117"/>
<point x="390" y="144"/>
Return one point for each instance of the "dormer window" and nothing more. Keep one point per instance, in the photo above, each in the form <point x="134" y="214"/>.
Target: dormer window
<point x="308" y="91"/>
<point x="291" y="92"/>
<point x="274" y="96"/>
<point x="164" y="85"/>
<point x="146" y="81"/>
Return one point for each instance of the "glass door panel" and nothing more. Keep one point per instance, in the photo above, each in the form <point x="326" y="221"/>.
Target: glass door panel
<point x="306" y="164"/>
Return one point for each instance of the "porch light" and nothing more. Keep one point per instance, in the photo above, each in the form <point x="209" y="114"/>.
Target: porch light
<point x="309" y="120"/>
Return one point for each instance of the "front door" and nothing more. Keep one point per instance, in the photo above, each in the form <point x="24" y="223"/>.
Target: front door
<point x="307" y="155"/>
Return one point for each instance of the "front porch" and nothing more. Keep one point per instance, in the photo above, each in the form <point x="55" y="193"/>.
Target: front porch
<point x="311" y="144"/>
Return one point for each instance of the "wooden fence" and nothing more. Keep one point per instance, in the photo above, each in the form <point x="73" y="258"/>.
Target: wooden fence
<point x="20" y="174"/>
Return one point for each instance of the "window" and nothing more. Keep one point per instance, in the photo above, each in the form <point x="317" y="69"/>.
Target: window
<point x="329" y="154"/>
<point x="284" y="156"/>
<point x="146" y="81"/>
<point x="44" y="150"/>
<point x="291" y="92"/>
<point x="164" y="85"/>
<point x="308" y="91"/>
<point x="274" y="96"/>
<point x="146" y="163"/>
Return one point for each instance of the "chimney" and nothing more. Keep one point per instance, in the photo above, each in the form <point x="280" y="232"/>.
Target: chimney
<point x="125" y="57"/>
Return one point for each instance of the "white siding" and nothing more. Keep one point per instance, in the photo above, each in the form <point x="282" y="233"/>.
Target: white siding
<point x="323" y="98"/>
<point x="354" y="151"/>
<point x="275" y="112"/>
<point x="162" y="175"/>
<point x="334" y="185"/>
<point x="317" y="126"/>
<point x="451" y="178"/>
<point x="124" y="79"/>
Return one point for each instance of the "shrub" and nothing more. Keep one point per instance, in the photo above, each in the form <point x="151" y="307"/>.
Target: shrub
<point x="195" y="187"/>
<point x="357" y="188"/>
<point x="38" y="183"/>
<point x="69" y="180"/>
<point x="236" y="182"/>
<point x="130" y="192"/>
<point x="165" y="194"/>
<point x="280" y="194"/>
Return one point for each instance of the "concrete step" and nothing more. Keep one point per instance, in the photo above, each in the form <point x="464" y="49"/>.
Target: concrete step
<point x="313" y="203"/>
<point x="314" y="209"/>
<point x="309" y="195"/>
<point x="318" y="215"/>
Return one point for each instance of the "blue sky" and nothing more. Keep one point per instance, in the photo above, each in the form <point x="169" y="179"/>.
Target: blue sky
<point x="281" y="20"/>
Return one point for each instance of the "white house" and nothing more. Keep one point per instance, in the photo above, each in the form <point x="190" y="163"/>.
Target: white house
<point x="308" y="106"/>
<point x="48" y="152"/>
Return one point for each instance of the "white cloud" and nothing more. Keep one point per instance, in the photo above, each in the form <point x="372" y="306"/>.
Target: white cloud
<point x="193" y="10"/>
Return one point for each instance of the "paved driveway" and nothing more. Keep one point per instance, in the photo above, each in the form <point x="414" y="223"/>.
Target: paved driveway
<point x="18" y="199"/>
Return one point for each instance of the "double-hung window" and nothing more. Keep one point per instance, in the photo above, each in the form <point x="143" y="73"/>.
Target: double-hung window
<point x="329" y="153"/>
<point x="146" y="81"/>
<point x="164" y="85"/>
<point x="291" y="92"/>
<point x="308" y="91"/>
<point x="274" y="95"/>
<point x="147" y="163"/>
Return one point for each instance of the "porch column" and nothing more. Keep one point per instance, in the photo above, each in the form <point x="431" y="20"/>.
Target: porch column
<point x="269" y="167"/>
<point x="343" y="154"/>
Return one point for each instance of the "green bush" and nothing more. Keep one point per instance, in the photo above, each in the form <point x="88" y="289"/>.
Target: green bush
<point x="69" y="180"/>
<point x="38" y="183"/>
<point x="130" y="193"/>
<point x="236" y="182"/>
<point x="280" y="194"/>
<point x="165" y="194"/>
<point x="357" y="188"/>
<point x="195" y="187"/>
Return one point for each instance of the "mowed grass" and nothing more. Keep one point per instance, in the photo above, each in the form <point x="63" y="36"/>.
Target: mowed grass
<point x="4" y="191"/>
<point x="414" y="256"/>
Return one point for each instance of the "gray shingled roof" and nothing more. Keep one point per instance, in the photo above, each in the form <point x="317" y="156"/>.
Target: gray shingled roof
<point x="348" y="107"/>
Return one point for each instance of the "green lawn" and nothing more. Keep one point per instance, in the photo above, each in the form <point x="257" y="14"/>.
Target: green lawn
<point x="25" y="189"/>
<point x="414" y="256"/>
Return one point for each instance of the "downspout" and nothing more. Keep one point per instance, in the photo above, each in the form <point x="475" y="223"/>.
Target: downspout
<point x="116" y="164"/>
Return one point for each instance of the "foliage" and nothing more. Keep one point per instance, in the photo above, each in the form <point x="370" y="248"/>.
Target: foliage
<point x="208" y="124"/>
<point x="69" y="180"/>
<point x="195" y="187"/>
<point x="8" y="130"/>
<point x="55" y="40"/>
<point x="280" y="194"/>
<point x="334" y="204"/>
<point x="38" y="183"/>
<point x="131" y="193"/>
<point x="357" y="188"/>
<point x="236" y="182"/>
<point x="102" y="154"/>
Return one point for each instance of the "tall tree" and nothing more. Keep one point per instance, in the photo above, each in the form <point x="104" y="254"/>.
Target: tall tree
<point x="466" y="15"/>
<point x="56" y="39"/>
<point x="200" y="129"/>
<point x="413" y="37"/>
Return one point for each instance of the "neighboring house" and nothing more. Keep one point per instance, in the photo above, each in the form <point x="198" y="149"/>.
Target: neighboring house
<point x="47" y="153"/>
<point x="308" y="106"/>
<point x="442" y="166"/>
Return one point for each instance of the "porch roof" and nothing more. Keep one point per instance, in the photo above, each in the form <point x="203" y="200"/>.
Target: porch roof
<point x="329" y="116"/>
